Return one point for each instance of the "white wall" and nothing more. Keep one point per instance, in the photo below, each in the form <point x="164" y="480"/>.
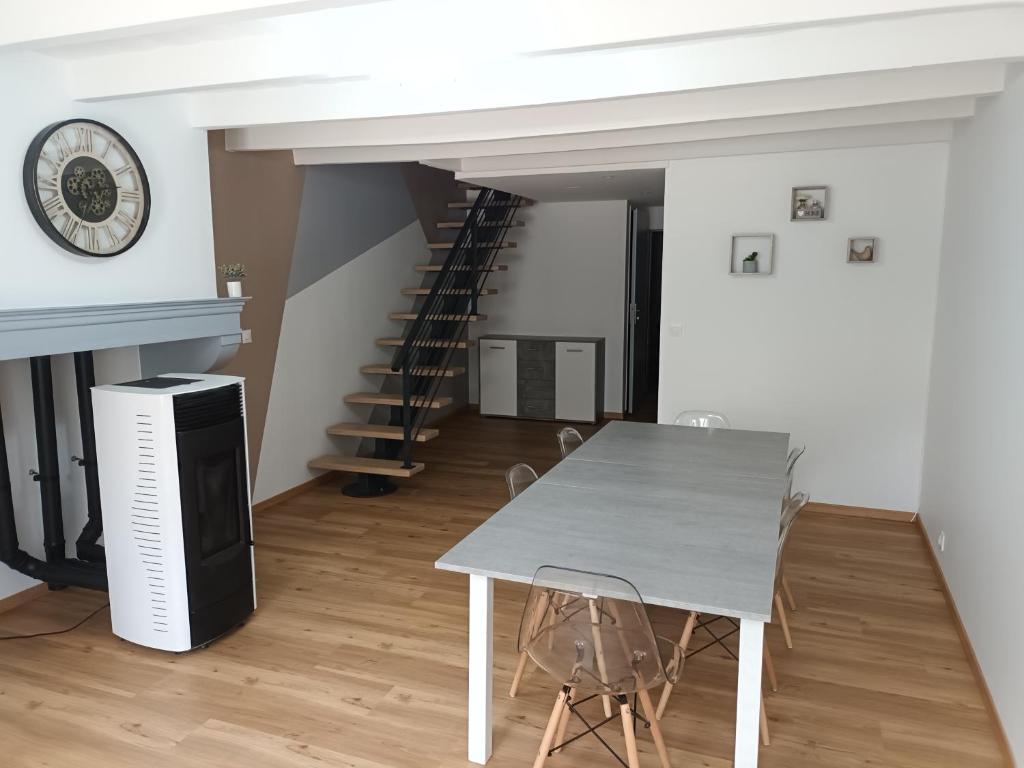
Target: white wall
<point x="328" y="331"/>
<point x="836" y="354"/>
<point x="973" y="484"/>
<point x="655" y="215"/>
<point x="567" y="277"/>
<point x="174" y="259"/>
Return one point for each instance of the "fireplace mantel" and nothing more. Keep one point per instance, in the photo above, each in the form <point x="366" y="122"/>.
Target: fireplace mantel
<point x="60" y="330"/>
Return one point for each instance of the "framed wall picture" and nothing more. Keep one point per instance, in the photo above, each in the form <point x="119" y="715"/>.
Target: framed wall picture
<point x="752" y="255"/>
<point x="862" y="250"/>
<point x="808" y="204"/>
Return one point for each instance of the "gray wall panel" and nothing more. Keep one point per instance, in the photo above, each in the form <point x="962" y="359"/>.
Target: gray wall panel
<point x="346" y="210"/>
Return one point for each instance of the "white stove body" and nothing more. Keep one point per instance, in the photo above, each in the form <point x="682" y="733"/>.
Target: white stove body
<point x="145" y="530"/>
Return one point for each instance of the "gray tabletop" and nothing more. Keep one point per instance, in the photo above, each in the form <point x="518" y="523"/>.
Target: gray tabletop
<point x="689" y="516"/>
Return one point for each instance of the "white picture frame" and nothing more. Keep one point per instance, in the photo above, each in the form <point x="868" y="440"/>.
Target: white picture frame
<point x="862" y="250"/>
<point x="743" y="245"/>
<point x="808" y="203"/>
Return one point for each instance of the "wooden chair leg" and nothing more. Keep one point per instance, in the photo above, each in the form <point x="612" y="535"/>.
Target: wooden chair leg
<point x="659" y="741"/>
<point x="564" y="722"/>
<point x="684" y="643"/>
<point x="789" y="593"/>
<point x="765" y="738"/>
<point x="781" y="610"/>
<point x="769" y="667"/>
<point x="517" y="678"/>
<point x="549" y="732"/>
<point x="627" y="726"/>
<point x="535" y="619"/>
<point x="595" y="620"/>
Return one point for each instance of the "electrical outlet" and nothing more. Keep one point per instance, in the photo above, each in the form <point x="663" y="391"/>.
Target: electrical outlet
<point x="675" y="329"/>
<point x="247" y="336"/>
<point x="941" y="541"/>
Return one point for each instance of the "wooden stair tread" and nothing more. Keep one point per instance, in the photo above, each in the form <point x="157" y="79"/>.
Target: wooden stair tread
<point x="450" y="292"/>
<point x="439" y="343"/>
<point x="390" y="467"/>
<point x="382" y="431"/>
<point x="448" y="246"/>
<point x="448" y="317"/>
<point x="465" y="268"/>
<point x="461" y="224"/>
<point x="469" y="203"/>
<point x="420" y="370"/>
<point x="379" y="398"/>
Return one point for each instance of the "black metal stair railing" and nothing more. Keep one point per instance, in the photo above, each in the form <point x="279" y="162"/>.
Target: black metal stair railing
<point x="441" y="321"/>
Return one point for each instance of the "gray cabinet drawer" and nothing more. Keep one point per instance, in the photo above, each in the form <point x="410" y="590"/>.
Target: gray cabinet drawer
<point x="534" y="389"/>
<point x="536" y="350"/>
<point x="537" y="409"/>
<point x="542" y="370"/>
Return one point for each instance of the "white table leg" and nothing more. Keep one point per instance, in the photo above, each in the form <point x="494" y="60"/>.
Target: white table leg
<point x="481" y="658"/>
<point x="748" y="694"/>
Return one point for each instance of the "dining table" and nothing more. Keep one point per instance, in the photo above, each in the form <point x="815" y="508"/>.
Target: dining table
<point x="688" y="515"/>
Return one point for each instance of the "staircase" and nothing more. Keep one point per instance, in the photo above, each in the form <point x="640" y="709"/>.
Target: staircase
<point x="422" y="356"/>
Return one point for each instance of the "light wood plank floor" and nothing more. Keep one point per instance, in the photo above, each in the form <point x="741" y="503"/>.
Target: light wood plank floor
<point x="357" y="654"/>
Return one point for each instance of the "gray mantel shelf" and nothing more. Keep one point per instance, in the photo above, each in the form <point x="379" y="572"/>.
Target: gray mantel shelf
<point x="60" y="330"/>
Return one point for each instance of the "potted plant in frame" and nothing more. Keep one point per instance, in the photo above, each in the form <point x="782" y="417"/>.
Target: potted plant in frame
<point x="750" y="263"/>
<point x="233" y="274"/>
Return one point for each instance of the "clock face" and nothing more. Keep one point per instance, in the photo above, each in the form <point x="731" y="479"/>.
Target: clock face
<point x="87" y="188"/>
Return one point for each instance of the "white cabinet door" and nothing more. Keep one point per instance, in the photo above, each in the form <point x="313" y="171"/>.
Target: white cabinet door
<point x="575" y="381"/>
<point x="498" y="377"/>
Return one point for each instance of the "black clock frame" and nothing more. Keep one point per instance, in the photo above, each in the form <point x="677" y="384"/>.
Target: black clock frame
<point x="36" y="205"/>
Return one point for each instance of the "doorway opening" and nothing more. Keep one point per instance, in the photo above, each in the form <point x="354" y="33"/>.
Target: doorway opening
<point x="643" y="319"/>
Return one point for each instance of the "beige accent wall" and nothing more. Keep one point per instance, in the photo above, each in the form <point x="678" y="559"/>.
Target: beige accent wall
<point x="256" y="198"/>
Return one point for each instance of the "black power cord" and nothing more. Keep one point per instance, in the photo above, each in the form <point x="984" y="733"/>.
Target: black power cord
<point x="57" y="631"/>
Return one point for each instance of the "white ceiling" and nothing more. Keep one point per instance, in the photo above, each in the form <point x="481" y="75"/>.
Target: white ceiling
<point x="642" y="186"/>
<point x="562" y="99"/>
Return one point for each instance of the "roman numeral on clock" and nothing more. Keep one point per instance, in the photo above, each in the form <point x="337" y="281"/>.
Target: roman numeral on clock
<point x="71" y="227"/>
<point x="125" y="219"/>
<point x="85" y="140"/>
<point x="54" y="206"/>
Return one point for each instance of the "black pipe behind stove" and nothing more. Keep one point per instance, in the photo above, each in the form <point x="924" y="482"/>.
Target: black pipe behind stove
<point x="85" y="380"/>
<point x="48" y="475"/>
<point x="57" y="571"/>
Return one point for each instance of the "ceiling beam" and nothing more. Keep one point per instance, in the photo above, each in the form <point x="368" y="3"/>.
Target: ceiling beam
<point x="534" y="150"/>
<point x="821" y="94"/>
<point x="63" y="22"/>
<point x="790" y="55"/>
<point x="656" y="155"/>
<point x="348" y="42"/>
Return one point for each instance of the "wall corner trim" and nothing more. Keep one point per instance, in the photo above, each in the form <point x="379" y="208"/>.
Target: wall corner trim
<point x="965" y="640"/>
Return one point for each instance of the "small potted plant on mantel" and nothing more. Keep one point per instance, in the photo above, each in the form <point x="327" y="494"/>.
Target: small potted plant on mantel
<point x="750" y="263"/>
<point x="233" y="274"/>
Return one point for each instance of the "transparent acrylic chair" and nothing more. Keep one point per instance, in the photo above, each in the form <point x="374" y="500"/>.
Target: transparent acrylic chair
<point x="790" y="512"/>
<point x="791" y="460"/>
<point x="519" y="477"/>
<point x="695" y="621"/>
<point x="591" y="633"/>
<point x="707" y="419"/>
<point x="569" y="439"/>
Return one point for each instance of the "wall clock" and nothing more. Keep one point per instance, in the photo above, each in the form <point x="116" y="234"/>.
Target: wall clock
<point x="86" y="188"/>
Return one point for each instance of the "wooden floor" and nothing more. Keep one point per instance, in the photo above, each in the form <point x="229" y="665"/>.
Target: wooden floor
<point x="356" y="656"/>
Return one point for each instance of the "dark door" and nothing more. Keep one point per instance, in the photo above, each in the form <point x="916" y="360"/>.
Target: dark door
<point x="642" y="319"/>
